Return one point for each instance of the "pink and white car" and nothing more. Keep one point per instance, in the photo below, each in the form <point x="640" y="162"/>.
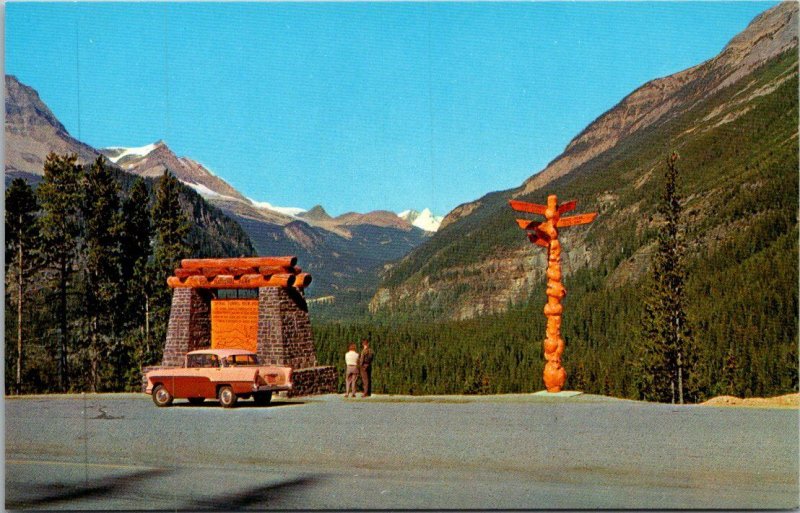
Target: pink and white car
<point x="224" y="374"/>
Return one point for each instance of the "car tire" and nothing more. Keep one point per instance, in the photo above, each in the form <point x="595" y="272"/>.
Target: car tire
<point x="262" y="398"/>
<point x="161" y="396"/>
<point x="196" y="400"/>
<point x="227" y="398"/>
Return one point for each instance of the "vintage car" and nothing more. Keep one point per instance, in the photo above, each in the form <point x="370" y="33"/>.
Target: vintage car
<point x="224" y="374"/>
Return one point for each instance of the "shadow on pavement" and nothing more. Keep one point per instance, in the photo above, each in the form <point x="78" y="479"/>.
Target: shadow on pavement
<point x="262" y="495"/>
<point x="242" y="404"/>
<point x="53" y="493"/>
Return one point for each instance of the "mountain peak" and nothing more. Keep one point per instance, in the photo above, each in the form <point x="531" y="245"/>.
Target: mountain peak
<point x="317" y="213"/>
<point x="116" y="153"/>
<point x="424" y="220"/>
<point x="32" y="131"/>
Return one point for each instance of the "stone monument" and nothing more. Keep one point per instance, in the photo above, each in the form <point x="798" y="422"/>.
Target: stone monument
<point x="274" y="323"/>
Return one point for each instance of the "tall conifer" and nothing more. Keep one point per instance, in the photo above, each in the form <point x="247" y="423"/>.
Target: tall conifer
<point x="136" y="248"/>
<point x="136" y="252"/>
<point x="667" y="356"/>
<point x="103" y="233"/>
<point x="22" y="241"/>
<point x="171" y="227"/>
<point x="60" y="197"/>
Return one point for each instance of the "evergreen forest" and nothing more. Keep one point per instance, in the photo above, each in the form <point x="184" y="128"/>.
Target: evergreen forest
<point x="737" y="190"/>
<point x="88" y="251"/>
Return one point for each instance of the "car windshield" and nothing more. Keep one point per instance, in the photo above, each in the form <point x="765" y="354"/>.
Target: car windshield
<point x="202" y="360"/>
<point x="241" y="360"/>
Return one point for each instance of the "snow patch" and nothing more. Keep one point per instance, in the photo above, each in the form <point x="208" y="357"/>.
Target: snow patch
<point x="205" y="192"/>
<point x="289" y="211"/>
<point x="424" y="220"/>
<point x="140" y="151"/>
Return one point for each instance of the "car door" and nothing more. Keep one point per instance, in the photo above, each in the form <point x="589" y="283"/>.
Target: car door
<point x="192" y="381"/>
<point x="214" y="374"/>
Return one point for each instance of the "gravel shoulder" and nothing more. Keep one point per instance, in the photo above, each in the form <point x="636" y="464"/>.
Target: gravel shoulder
<point x="782" y="401"/>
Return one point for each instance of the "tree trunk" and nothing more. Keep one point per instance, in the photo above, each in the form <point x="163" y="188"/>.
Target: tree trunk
<point x="62" y="314"/>
<point x="680" y="378"/>
<point x="19" y="319"/>
<point x="672" y="389"/>
<point x="147" y="323"/>
<point x="93" y="354"/>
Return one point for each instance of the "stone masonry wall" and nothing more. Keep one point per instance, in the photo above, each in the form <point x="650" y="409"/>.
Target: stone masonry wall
<point x="284" y="328"/>
<point x="200" y="319"/>
<point x="313" y="380"/>
<point x="189" y="325"/>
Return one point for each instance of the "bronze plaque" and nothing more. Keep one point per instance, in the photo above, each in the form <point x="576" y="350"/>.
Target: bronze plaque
<point x="234" y="324"/>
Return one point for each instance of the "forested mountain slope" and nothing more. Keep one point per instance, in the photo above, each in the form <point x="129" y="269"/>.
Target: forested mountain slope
<point x="463" y="312"/>
<point x="731" y="117"/>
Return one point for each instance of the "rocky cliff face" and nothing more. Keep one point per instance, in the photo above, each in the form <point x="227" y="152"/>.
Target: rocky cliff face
<point x="479" y="262"/>
<point x="657" y="101"/>
<point x="32" y="131"/>
<point x="768" y="35"/>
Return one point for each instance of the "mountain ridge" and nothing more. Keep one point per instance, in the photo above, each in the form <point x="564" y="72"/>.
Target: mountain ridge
<point x="32" y="131"/>
<point x="344" y="253"/>
<point x="479" y="239"/>
<point x="648" y="103"/>
<point x="152" y="159"/>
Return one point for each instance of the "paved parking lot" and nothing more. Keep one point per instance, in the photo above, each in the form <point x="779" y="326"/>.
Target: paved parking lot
<point x="519" y="451"/>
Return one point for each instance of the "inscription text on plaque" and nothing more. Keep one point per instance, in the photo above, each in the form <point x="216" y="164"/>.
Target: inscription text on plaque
<point x="234" y="324"/>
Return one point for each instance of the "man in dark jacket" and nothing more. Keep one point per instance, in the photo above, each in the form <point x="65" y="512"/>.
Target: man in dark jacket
<point x="365" y="366"/>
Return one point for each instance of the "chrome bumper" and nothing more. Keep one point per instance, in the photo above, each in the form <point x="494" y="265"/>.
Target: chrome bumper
<point x="271" y="388"/>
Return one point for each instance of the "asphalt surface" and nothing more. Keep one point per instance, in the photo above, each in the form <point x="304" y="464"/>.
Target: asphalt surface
<point x="106" y="452"/>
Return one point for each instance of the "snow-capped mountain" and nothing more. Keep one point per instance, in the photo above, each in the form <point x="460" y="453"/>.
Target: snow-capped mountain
<point x="289" y="211"/>
<point x="424" y="220"/>
<point x="117" y="153"/>
<point x="153" y="159"/>
<point x="344" y="253"/>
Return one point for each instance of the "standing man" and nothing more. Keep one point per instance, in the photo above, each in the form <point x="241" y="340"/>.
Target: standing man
<point x="365" y="365"/>
<point x="351" y="359"/>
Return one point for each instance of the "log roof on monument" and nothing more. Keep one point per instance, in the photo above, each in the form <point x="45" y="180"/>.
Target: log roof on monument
<point x="239" y="273"/>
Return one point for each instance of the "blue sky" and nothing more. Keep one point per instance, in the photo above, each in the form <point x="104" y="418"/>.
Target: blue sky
<point x="355" y="106"/>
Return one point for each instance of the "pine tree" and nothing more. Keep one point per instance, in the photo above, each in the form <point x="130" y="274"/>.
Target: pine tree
<point x="667" y="355"/>
<point x="137" y="229"/>
<point x="103" y="257"/>
<point x="136" y="249"/>
<point x="171" y="226"/>
<point x="22" y="241"/>
<point x="136" y="252"/>
<point x="60" y="197"/>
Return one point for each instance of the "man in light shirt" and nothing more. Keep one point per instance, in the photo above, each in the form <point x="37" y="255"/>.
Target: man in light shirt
<point x="351" y="374"/>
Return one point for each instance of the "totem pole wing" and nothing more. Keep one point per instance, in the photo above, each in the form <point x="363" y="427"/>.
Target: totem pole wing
<point x="527" y="224"/>
<point x="576" y="220"/>
<point x="524" y="206"/>
<point x="567" y="207"/>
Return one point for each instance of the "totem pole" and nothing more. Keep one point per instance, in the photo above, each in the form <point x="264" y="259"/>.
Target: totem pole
<point x="545" y="234"/>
